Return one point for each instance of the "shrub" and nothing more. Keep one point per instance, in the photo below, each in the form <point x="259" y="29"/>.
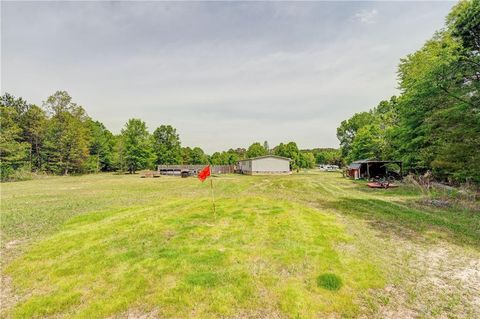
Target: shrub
<point x="21" y="174"/>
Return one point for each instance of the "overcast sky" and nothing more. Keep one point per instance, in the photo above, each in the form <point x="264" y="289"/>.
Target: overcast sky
<point x="224" y="74"/>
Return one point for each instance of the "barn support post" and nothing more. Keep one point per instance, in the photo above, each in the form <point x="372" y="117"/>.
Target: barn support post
<point x="368" y="171"/>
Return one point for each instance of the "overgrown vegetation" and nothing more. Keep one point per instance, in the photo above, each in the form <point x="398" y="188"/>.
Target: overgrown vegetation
<point x="434" y="124"/>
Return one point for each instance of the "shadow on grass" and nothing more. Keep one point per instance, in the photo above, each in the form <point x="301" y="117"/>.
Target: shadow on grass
<point x="404" y="220"/>
<point x="403" y="190"/>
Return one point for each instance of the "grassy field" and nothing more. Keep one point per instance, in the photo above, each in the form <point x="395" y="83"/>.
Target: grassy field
<point x="309" y="245"/>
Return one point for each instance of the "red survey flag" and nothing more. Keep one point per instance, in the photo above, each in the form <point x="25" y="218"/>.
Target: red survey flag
<point x="204" y="173"/>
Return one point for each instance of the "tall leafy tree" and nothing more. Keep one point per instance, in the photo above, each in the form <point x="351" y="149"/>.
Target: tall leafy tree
<point x="136" y="146"/>
<point x="464" y="23"/>
<point x="266" y="147"/>
<point x="379" y="121"/>
<point x="34" y="126"/>
<point x="216" y="158"/>
<point x="306" y="160"/>
<point x="13" y="150"/>
<point x="167" y="145"/>
<point x="118" y="155"/>
<point x="231" y="157"/>
<point x="367" y="144"/>
<point x="186" y="155"/>
<point x="348" y="129"/>
<point x="101" y="147"/>
<point x="328" y="156"/>
<point x="434" y="123"/>
<point x="224" y="158"/>
<point x="198" y="156"/>
<point x="67" y="136"/>
<point x="256" y="149"/>
<point x="439" y="123"/>
<point x="241" y="152"/>
<point x="291" y="151"/>
<point x="19" y="105"/>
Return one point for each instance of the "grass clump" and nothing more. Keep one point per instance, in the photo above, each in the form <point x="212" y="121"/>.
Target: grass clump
<point x="329" y="281"/>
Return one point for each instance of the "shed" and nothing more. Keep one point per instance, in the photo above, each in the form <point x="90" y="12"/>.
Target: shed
<point x="268" y="164"/>
<point x="354" y="170"/>
<point x="374" y="168"/>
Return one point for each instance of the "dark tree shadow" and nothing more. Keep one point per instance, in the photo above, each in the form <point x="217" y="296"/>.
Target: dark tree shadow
<point x="408" y="221"/>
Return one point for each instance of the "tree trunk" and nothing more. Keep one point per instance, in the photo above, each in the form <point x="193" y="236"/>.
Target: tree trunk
<point x="39" y="157"/>
<point x="31" y="157"/>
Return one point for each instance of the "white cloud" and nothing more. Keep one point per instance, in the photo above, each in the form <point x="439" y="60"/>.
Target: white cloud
<point x="366" y="16"/>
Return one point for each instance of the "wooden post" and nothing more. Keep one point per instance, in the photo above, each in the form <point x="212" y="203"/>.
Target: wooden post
<point x="368" y="171"/>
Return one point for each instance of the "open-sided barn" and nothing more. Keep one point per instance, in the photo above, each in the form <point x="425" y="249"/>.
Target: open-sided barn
<point x="374" y="168"/>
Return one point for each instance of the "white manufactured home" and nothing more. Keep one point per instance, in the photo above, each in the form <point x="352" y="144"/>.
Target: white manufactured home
<point x="268" y="164"/>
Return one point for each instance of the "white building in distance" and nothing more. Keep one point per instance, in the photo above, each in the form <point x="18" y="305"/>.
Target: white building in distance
<point x="268" y="164"/>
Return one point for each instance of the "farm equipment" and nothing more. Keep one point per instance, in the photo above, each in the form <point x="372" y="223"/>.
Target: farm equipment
<point x="382" y="182"/>
<point x="381" y="185"/>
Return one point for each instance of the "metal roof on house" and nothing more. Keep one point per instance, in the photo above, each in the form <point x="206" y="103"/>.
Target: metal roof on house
<point x="265" y="156"/>
<point x="364" y="161"/>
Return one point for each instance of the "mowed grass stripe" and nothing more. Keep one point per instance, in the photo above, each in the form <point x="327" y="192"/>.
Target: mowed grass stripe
<point x="177" y="258"/>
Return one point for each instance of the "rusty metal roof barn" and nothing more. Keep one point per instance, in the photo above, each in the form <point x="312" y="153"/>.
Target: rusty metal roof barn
<point x="372" y="168"/>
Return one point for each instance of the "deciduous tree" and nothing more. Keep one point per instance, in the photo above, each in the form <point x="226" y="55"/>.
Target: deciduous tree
<point x="101" y="147"/>
<point x="198" y="156"/>
<point x="67" y="136"/>
<point x="256" y="149"/>
<point x="13" y="151"/>
<point x="166" y="145"/>
<point x="136" y="146"/>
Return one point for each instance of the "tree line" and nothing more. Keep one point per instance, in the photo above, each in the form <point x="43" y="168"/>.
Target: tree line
<point x="434" y="124"/>
<point x="60" y="138"/>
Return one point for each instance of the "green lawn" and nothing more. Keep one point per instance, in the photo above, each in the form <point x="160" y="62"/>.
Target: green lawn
<point x="301" y="246"/>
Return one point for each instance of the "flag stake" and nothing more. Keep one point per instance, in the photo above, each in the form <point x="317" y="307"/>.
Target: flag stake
<point x="202" y="176"/>
<point x="213" y="199"/>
